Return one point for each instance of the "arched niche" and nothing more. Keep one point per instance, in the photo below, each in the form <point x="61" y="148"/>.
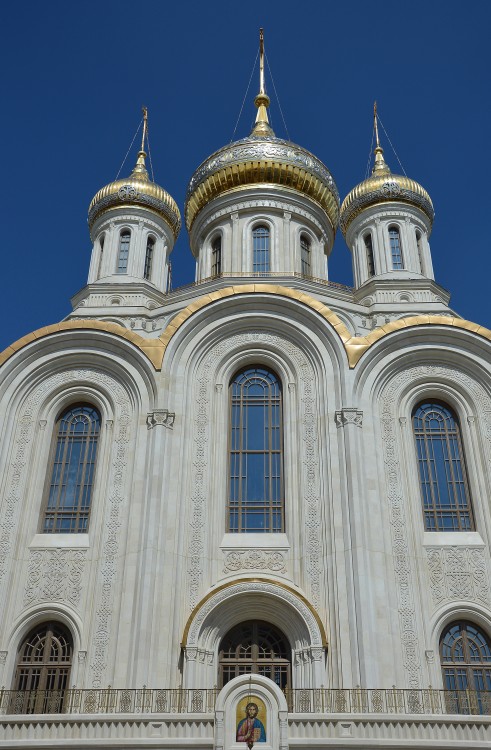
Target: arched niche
<point x="251" y="599"/>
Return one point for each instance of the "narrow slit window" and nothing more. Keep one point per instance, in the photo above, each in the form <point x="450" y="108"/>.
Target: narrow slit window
<point x="147" y="272"/>
<point x="395" y="248"/>
<point x="123" y="251"/>
<point x="419" y="244"/>
<point x="101" y="255"/>
<point x="305" y="253"/>
<point x="216" y="256"/>
<point x="369" y="252"/>
<point x="260" y="250"/>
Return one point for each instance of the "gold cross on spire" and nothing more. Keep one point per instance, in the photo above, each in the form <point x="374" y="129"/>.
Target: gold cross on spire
<point x="262" y="126"/>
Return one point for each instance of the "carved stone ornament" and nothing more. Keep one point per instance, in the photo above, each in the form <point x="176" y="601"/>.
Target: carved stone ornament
<point x="116" y="499"/>
<point x="458" y="573"/>
<point x="3" y="657"/>
<point x="54" y="575"/>
<point x="254" y="559"/>
<point x="161" y="418"/>
<point x="397" y="503"/>
<point x="202" y="459"/>
<point x="348" y="415"/>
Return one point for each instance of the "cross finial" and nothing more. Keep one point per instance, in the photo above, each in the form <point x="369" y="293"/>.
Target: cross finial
<point x="375" y="124"/>
<point x="145" y="127"/>
<point x="262" y="127"/>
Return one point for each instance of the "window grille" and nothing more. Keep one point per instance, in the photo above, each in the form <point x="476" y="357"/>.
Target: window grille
<point x="72" y="465"/>
<point x="395" y="248"/>
<point x="216" y="257"/>
<point x="442" y="471"/>
<point x="369" y="251"/>
<point x="43" y="669"/>
<point x="260" y="250"/>
<point x="465" y="656"/>
<point x="124" y="249"/>
<point x="147" y="273"/>
<point x="305" y="255"/>
<point x="256" y="498"/>
<point x="255" y="647"/>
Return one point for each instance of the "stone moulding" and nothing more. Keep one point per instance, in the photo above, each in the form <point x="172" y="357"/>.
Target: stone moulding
<point x="154" y="348"/>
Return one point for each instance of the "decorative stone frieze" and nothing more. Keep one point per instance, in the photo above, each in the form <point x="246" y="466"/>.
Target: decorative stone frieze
<point x="254" y="559"/>
<point x="458" y="573"/>
<point x="55" y="575"/>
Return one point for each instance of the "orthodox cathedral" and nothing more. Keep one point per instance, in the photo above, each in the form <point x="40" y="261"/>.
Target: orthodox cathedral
<point x="254" y="510"/>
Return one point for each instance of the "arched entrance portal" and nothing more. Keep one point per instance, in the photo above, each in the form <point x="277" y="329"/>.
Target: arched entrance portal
<point x="255" y="647"/>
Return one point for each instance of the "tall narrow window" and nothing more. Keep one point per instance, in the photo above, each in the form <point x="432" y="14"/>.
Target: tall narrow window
<point x="216" y="256"/>
<point x="442" y="472"/>
<point x="255" y="647"/>
<point x="68" y="495"/>
<point x="260" y="250"/>
<point x="419" y="243"/>
<point x="465" y="656"/>
<point x="305" y="255"/>
<point x="101" y="255"/>
<point x="256" y="461"/>
<point x="124" y="249"/>
<point x="395" y="248"/>
<point x="43" y="670"/>
<point x="147" y="271"/>
<point x="369" y="250"/>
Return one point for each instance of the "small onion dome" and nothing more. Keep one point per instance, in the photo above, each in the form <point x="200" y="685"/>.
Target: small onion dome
<point x="384" y="187"/>
<point x="136" y="190"/>
<point x="257" y="160"/>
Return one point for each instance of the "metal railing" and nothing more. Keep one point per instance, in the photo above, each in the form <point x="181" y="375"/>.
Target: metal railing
<point x="310" y="701"/>
<point x="260" y="275"/>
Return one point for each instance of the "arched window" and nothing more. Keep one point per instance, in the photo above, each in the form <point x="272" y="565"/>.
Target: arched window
<point x="256" y="447"/>
<point x="101" y="254"/>
<point x="419" y="244"/>
<point x="255" y="647"/>
<point x="395" y="248"/>
<point x="260" y="250"/>
<point x="71" y="472"/>
<point x="305" y="255"/>
<point x="147" y="271"/>
<point x="369" y="250"/>
<point x="465" y="656"/>
<point x="442" y="472"/>
<point x="124" y="249"/>
<point x="216" y="256"/>
<point x="43" y="670"/>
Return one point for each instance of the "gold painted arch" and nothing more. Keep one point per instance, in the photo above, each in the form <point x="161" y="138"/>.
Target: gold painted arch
<point x="154" y="348"/>
<point x="229" y="584"/>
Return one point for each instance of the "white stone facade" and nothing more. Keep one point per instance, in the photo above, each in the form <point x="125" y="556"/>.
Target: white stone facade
<point x="360" y="590"/>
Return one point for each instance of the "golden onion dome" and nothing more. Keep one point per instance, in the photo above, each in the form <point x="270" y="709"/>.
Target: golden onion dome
<point x="384" y="187"/>
<point x="136" y="190"/>
<point x="262" y="159"/>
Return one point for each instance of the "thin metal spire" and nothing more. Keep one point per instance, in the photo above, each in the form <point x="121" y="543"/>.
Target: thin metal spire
<point x="145" y="127"/>
<point x="140" y="169"/>
<point x="380" y="166"/>
<point x="262" y="126"/>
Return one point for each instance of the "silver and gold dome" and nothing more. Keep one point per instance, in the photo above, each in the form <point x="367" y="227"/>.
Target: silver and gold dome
<point x="262" y="159"/>
<point x="383" y="187"/>
<point x="136" y="190"/>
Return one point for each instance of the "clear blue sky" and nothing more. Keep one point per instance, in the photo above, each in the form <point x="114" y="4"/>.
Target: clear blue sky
<point x="76" y="75"/>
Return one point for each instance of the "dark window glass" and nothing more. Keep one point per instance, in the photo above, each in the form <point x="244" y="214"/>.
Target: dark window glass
<point x="255" y="648"/>
<point x="43" y="670"/>
<point x="465" y="655"/>
<point x="369" y="250"/>
<point x="395" y="248"/>
<point x="73" y="458"/>
<point x="256" y="446"/>
<point x="442" y="472"/>
<point x="260" y="250"/>
<point x="124" y="249"/>
<point x="101" y="255"/>
<point x="216" y="257"/>
<point x="305" y="255"/>
<point x="419" y="243"/>
<point x="147" y="273"/>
